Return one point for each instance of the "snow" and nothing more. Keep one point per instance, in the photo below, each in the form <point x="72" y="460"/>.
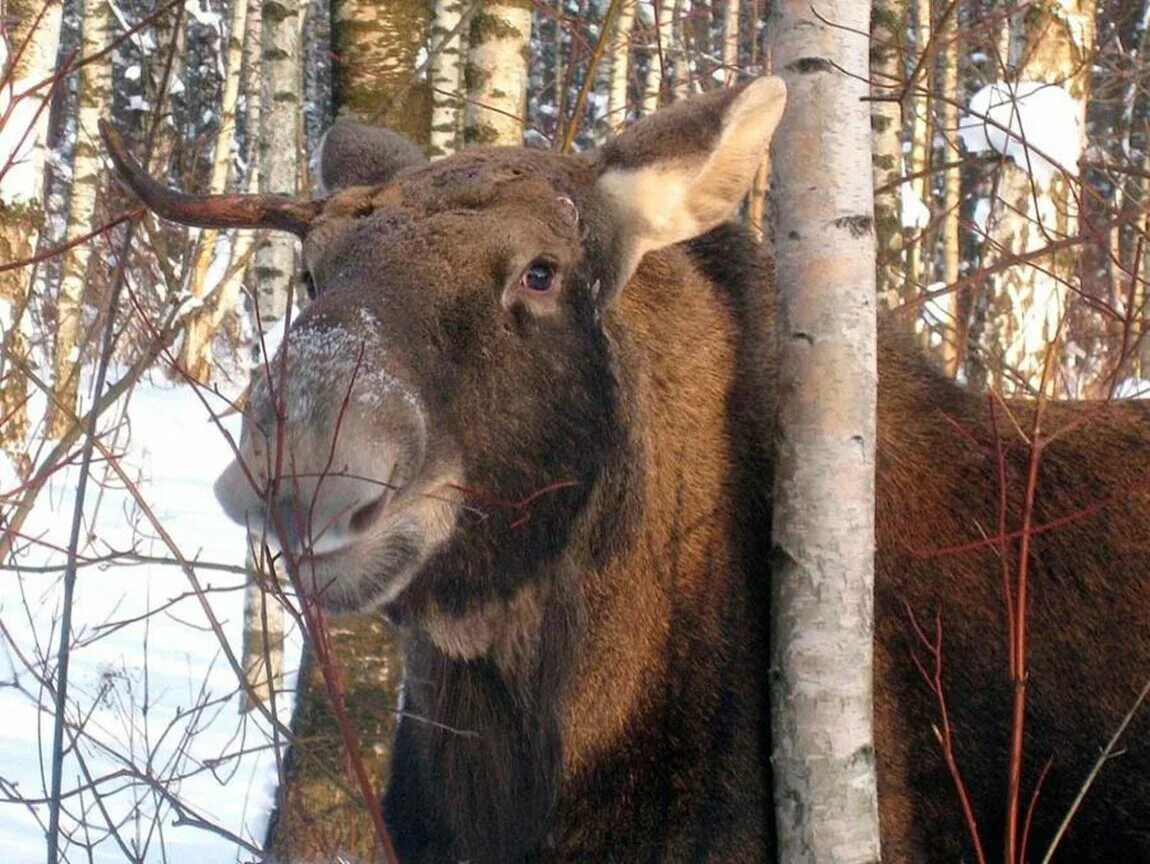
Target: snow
<point x="147" y="671"/>
<point x="915" y="214"/>
<point x="1132" y="388"/>
<point x="981" y="215"/>
<point x="205" y="16"/>
<point x="1034" y="123"/>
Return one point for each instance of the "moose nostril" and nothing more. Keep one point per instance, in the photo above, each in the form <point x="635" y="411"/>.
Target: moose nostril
<point x="363" y="518"/>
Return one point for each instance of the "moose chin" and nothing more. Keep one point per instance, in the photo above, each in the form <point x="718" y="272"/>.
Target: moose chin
<point x="529" y="417"/>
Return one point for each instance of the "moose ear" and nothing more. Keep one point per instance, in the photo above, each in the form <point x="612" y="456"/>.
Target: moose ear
<point x="683" y="170"/>
<point x="355" y="154"/>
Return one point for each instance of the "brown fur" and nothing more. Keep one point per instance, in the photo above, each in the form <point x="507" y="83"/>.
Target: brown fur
<point x="586" y="624"/>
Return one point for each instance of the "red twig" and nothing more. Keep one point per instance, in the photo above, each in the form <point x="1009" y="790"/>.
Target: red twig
<point x="933" y="680"/>
<point x="521" y="506"/>
<point x="1032" y="806"/>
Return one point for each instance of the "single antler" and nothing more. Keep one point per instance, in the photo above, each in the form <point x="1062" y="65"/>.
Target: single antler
<point x="210" y="211"/>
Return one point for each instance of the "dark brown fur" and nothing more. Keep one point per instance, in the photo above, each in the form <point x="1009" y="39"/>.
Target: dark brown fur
<point x="586" y="651"/>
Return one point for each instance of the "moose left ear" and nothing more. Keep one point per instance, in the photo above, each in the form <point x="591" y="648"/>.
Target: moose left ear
<point x="683" y="170"/>
<point x="355" y="154"/>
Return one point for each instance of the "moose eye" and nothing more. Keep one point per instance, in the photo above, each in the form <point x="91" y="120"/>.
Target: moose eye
<point x="538" y="277"/>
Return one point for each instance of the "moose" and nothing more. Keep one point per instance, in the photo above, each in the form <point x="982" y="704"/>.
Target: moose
<point x="528" y="416"/>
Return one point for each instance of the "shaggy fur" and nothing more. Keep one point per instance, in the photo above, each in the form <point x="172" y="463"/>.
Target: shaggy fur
<point x="587" y="672"/>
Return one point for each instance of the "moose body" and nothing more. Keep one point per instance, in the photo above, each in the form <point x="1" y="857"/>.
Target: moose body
<point x="529" y="417"/>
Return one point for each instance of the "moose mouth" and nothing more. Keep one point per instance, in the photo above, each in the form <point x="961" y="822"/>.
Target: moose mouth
<point x="363" y="556"/>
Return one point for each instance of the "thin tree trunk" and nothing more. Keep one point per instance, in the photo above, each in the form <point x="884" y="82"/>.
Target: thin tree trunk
<point x="28" y="51"/>
<point x="497" y="74"/>
<point x="196" y="355"/>
<point x="620" y="55"/>
<point x="952" y="201"/>
<point x="681" y="83"/>
<point x="279" y="151"/>
<point x="888" y="23"/>
<point x="263" y="646"/>
<point x="731" y="42"/>
<point x="448" y="45"/>
<point x="659" y="46"/>
<point x="823" y="529"/>
<point x="918" y="258"/>
<point x="95" y="91"/>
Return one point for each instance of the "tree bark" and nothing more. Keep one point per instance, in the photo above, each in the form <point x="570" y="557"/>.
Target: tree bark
<point x="448" y="45"/>
<point x="497" y="73"/>
<point x="659" y="48"/>
<point x="823" y="529"/>
<point x="620" y="55"/>
<point x="196" y="354"/>
<point x="27" y="56"/>
<point x="95" y="89"/>
<point x="279" y="151"/>
<point x="888" y="23"/>
<point x="954" y="335"/>
<point x="918" y="258"/>
<point x="376" y="44"/>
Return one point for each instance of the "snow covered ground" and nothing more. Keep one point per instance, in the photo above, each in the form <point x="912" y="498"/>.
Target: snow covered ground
<point x="148" y="681"/>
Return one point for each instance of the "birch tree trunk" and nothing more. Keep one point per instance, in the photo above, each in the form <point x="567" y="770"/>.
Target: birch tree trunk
<point x="1020" y="313"/>
<point x="448" y="29"/>
<point x="620" y="55"/>
<point x="263" y="646"/>
<point x="497" y="73"/>
<point x="888" y="23"/>
<point x="279" y="151"/>
<point x="918" y="258"/>
<point x="376" y="45"/>
<point x="730" y="42"/>
<point x="318" y="815"/>
<point x="682" y="83"/>
<point x="196" y="354"/>
<point x="823" y="529"/>
<point x="28" y="49"/>
<point x="953" y="337"/>
<point x="660" y="46"/>
<point x="94" y="95"/>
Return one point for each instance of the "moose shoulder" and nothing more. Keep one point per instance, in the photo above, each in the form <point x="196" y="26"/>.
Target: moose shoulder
<point x="528" y="417"/>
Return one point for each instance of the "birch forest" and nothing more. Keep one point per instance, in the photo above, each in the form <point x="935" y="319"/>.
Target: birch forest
<point x="161" y="696"/>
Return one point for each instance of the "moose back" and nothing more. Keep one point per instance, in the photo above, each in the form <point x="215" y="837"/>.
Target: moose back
<point x="528" y="417"/>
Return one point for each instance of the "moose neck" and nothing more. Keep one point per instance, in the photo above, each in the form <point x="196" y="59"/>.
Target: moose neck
<point x="524" y="696"/>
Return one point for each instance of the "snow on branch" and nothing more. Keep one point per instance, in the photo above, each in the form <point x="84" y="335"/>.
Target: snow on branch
<point x="1034" y="123"/>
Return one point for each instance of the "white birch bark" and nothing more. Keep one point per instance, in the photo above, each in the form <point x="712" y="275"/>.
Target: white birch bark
<point x="620" y="55"/>
<point x="823" y="530"/>
<point x="94" y="97"/>
<point x="497" y="73"/>
<point x="683" y="82"/>
<point x="888" y="22"/>
<point x="918" y="259"/>
<point x="196" y="354"/>
<point x="659" y="48"/>
<point x="28" y="48"/>
<point x="279" y="149"/>
<point x="446" y="71"/>
<point x="731" y="42"/>
<point x="952" y="200"/>
<point x="263" y="638"/>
